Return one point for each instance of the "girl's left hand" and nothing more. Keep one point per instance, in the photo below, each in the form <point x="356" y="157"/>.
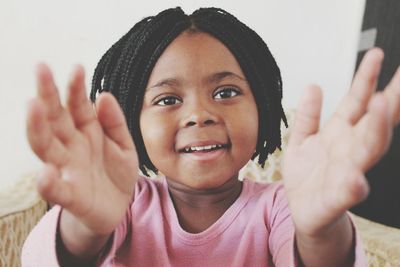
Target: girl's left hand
<point x="324" y="168"/>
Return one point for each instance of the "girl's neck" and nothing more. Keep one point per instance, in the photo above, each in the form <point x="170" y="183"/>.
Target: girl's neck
<point x="197" y="209"/>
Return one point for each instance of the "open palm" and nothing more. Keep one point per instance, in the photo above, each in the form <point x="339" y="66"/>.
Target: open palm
<point x="324" y="168"/>
<point x="90" y="159"/>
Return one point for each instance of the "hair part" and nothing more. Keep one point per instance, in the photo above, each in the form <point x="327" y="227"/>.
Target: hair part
<point x="124" y="70"/>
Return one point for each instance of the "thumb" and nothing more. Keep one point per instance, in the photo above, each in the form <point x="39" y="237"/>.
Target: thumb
<point x="307" y="115"/>
<point x="53" y="188"/>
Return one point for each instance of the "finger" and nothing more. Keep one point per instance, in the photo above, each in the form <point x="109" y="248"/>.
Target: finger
<point x="79" y="105"/>
<point x="113" y="121"/>
<point x="82" y="110"/>
<point x="41" y="138"/>
<point x="373" y="134"/>
<point x="308" y="115"/>
<point x="392" y="94"/>
<point x="57" y="115"/>
<point x="354" y="104"/>
<point x="47" y="90"/>
<point x="53" y="188"/>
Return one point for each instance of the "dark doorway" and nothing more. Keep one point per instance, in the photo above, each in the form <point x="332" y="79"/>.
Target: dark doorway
<point x="381" y="28"/>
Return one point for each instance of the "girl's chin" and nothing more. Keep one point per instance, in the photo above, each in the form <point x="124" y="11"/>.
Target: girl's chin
<point x="202" y="182"/>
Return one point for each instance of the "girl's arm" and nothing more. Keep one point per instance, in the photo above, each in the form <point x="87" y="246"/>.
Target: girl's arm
<point x="90" y="162"/>
<point x="324" y="167"/>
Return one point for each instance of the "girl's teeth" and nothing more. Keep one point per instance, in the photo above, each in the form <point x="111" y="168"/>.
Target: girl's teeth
<point x="201" y="148"/>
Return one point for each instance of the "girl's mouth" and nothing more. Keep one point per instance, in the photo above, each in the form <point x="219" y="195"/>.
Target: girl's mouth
<point x="204" y="152"/>
<point x="203" y="149"/>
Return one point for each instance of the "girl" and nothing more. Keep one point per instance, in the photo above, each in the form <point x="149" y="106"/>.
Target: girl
<point x="195" y="97"/>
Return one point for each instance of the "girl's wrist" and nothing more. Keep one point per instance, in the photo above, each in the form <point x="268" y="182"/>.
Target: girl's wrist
<point x="324" y="233"/>
<point x="335" y="242"/>
<point x="77" y="241"/>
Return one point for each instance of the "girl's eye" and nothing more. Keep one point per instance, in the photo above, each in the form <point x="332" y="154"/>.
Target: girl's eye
<point x="228" y="92"/>
<point x="168" y="101"/>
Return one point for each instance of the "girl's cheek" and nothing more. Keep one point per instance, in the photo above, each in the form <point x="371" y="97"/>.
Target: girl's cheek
<point x="155" y="131"/>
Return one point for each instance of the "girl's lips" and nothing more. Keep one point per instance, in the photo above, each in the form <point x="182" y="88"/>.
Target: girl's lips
<point x="206" y="156"/>
<point x="203" y="146"/>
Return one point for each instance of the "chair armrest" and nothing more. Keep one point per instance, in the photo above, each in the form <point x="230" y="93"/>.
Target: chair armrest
<point x="381" y="243"/>
<point x="20" y="209"/>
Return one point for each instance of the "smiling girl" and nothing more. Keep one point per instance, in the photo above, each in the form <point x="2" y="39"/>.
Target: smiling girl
<point x="195" y="97"/>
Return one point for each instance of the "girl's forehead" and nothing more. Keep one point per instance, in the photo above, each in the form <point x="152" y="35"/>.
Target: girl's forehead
<point x="195" y="54"/>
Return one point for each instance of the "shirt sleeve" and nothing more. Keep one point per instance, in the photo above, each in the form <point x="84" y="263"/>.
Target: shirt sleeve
<point x="39" y="249"/>
<point x="282" y="238"/>
<point x="359" y="253"/>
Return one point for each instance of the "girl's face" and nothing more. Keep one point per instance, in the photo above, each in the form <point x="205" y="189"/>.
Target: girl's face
<point x="199" y="119"/>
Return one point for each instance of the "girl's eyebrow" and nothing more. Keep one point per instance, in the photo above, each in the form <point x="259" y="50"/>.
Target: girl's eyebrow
<point x="169" y="81"/>
<point x="213" y="78"/>
<point x="219" y="76"/>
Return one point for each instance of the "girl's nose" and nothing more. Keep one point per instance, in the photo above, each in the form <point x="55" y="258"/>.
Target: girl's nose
<point x="198" y="114"/>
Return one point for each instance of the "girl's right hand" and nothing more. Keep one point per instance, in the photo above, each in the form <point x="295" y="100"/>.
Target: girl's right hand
<point x="90" y="159"/>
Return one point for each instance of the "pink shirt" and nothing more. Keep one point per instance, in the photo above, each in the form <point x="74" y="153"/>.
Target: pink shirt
<point x="256" y="230"/>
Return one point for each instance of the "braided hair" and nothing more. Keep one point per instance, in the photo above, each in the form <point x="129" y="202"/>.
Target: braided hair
<point x="125" y="68"/>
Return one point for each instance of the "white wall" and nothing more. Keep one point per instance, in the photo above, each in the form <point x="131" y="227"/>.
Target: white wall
<point x="313" y="41"/>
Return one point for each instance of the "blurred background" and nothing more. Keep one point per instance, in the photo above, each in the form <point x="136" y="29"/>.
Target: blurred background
<point x="313" y="42"/>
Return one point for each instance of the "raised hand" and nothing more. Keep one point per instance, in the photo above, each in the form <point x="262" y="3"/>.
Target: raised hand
<point x="90" y="159"/>
<point x="324" y="168"/>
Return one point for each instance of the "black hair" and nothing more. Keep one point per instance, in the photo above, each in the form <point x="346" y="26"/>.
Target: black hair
<point x="125" y="68"/>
